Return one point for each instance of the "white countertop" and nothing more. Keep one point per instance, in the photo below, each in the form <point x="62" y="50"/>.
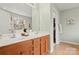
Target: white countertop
<point x="4" y="41"/>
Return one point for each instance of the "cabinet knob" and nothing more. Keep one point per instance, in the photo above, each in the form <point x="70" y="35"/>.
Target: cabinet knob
<point x="20" y="53"/>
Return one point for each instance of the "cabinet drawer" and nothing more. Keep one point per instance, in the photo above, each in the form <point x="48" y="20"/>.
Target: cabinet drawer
<point x="25" y="43"/>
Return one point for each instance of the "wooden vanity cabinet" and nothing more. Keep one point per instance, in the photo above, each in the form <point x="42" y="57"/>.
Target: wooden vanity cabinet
<point x="37" y="46"/>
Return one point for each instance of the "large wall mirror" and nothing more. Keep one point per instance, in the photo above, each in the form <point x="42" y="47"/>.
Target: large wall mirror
<point x="20" y="22"/>
<point x="11" y="21"/>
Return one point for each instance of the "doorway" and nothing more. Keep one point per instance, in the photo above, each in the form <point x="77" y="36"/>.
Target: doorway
<point x="54" y="30"/>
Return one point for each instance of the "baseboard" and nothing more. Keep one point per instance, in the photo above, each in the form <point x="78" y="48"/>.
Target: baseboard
<point x="74" y="43"/>
<point x="52" y="48"/>
<point x="51" y="51"/>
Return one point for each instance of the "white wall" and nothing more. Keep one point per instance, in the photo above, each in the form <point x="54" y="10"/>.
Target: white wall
<point x="41" y="17"/>
<point x="45" y="15"/>
<point x="4" y="22"/>
<point x="54" y="14"/>
<point x="36" y="18"/>
<point x="70" y="32"/>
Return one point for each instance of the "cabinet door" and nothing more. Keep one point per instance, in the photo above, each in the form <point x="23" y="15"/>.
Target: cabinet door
<point x="10" y="50"/>
<point x="36" y="48"/>
<point x="42" y="45"/>
<point x="46" y="41"/>
<point x="26" y="47"/>
<point x="0" y="51"/>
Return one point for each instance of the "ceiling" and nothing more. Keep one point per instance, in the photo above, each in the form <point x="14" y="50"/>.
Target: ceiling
<point x="19" y="8"/>
<point x="65" y="6"/>
<point x="24" y="9"/>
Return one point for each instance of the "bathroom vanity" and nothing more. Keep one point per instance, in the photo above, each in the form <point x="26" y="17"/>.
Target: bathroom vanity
<point x="36" y="44"/>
